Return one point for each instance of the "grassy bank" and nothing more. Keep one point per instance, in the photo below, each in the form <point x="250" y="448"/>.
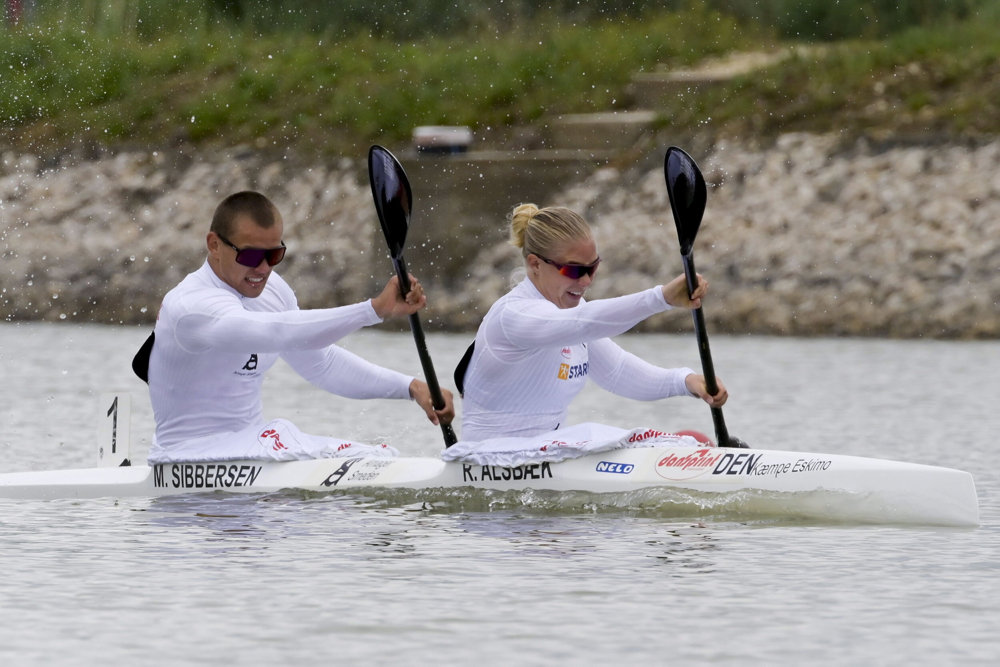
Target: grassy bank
<point x="89" y="75"/>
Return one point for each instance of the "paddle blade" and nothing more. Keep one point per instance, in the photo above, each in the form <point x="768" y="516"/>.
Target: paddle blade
<point x="393" y="197"/>
<point x="688" y="194"/>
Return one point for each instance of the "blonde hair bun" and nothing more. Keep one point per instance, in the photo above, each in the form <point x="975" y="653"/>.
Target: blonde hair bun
<point x="520" y="217"/>
<point x="539" y="230"/>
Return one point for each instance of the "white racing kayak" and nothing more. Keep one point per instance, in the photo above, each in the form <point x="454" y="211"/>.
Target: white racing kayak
<point x="832" y="487"/>
<point x="829" y="487"/>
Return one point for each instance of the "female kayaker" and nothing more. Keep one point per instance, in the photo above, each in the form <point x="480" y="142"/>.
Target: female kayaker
<point x="539" y="343"/>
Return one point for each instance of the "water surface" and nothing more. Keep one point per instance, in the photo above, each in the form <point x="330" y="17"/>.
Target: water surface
<point x="396" y="578"/>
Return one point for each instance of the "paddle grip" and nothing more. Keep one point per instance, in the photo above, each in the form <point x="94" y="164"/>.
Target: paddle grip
<point x="430" y="377"/>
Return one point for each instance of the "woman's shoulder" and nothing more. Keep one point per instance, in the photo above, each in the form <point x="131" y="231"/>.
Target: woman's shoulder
<point x="524" y="296"/>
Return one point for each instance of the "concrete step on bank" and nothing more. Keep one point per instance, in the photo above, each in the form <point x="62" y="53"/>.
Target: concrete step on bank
<point x="619" y="130"/>
<point x="461" y="200"/>
<point x="647" y="90"/>
<point x="605" y="131"/>
<point x="616" y="130"/>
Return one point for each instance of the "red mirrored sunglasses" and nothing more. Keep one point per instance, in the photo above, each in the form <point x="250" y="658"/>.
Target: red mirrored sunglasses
<point x="572" y="271"/>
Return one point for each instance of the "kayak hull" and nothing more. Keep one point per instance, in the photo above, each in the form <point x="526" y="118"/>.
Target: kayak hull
<point x="867" y="489"/>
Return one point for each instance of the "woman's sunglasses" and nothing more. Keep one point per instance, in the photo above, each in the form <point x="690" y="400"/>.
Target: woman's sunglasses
<point x="252" y="257"/>
<point x="572" y="271"/>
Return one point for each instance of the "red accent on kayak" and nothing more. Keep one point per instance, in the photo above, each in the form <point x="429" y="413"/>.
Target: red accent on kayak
<point x="697" y="435"/>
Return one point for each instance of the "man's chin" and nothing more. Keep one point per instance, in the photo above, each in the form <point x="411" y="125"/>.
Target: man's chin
<point x="252" y="289"/>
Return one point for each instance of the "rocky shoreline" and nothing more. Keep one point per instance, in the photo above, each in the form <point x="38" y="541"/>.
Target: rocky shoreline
<point x="805" y="237"/>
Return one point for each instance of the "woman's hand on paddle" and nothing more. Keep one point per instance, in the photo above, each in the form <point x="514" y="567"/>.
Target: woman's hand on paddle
<point x="421" y="393"/>
<point x="696" y="385"/>
<point x="676" y="292"/>
<point x="390" y="303"/>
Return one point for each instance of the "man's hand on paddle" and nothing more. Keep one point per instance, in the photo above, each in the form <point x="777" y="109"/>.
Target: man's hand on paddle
<point x="421" y="393"/>
<point x="696" y="385"/>
<point x="390" y="303"/>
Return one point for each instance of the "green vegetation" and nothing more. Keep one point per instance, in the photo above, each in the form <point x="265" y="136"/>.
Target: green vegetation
<point x="280" y="74"/>
<point x="827" y="20"/>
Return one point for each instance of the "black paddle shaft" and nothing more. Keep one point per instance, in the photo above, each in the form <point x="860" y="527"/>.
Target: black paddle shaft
<point x="688" y="194"/>
<point x="430" y="376"/>
<point x="704" y="351"/>
<point x="393" y="197"/>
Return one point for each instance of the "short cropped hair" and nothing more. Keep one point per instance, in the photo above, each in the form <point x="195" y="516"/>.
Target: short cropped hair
<point x="248" y="203"/>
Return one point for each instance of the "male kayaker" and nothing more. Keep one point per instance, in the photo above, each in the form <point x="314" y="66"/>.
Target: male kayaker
<point x="222" y="327"/>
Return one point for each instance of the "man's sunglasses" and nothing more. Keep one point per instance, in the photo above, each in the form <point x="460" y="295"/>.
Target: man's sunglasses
<point x="252" y="257"/>
<point x="572" y="271"/>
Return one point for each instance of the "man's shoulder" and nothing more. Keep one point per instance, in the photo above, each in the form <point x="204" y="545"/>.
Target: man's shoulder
<point x="198" y="291"/>
<point x="192" y="293"/>
<point x="192" y="282"/>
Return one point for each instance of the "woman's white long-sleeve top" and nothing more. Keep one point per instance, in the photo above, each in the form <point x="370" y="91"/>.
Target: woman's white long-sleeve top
<point x="532" y="358"/>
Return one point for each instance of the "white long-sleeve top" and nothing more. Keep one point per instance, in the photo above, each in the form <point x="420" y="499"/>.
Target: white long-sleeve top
<point x="213" y="347"/>
<point x="532" y="358"/>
